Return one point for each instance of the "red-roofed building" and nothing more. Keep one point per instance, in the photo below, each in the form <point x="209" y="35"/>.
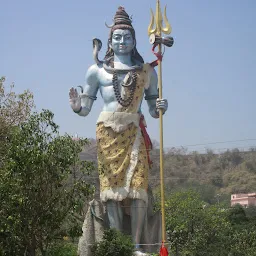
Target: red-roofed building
<point x="244" y="199"/>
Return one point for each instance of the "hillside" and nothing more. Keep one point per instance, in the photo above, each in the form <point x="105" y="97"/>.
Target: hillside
<point x="215" y="176"/>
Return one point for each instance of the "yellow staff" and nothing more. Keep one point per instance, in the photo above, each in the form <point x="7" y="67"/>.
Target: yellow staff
<point x="155" y="31"/>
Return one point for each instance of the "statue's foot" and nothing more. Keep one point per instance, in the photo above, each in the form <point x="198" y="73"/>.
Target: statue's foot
<point x="139" y="253"/>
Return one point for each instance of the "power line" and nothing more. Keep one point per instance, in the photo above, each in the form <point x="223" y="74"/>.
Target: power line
<point x="88" y="151"/>
<point x="168" y="178"/>
<point x="195" y="145"/>
<point x="212" y="143"/>
<point x="153" y="156"/>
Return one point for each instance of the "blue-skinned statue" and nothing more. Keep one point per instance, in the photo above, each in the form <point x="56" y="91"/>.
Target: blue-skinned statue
<point x="122" y="79"/>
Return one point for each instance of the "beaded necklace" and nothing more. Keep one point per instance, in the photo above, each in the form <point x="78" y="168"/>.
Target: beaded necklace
<point x="130" y="84"/>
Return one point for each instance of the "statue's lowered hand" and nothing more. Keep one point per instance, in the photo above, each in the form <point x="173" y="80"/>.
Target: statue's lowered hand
<point x="74" y="100"/>
<point x="162" y="104"/>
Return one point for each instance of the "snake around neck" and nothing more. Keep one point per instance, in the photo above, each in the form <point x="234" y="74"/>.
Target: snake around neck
<point x="97" y="44"/>
<point x="109" y="69"/>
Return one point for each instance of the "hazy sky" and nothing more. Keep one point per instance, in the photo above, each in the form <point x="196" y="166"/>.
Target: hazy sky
<point x="209" y="75"/>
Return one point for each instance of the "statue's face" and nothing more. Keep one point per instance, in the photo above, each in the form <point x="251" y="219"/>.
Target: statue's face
<point x="122" y="42"/>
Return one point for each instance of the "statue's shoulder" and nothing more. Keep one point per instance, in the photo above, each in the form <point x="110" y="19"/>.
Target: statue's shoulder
<point x="149" y="69"/>
<point x="93" y="70"/>
<point x="150" y="75"/>
<point x="92" y="74"/>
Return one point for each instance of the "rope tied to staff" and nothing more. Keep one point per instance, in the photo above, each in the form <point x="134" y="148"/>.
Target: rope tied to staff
<point x="158" y="55"/>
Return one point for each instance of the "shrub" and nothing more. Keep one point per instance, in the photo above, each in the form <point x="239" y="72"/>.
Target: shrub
<point x="114" y="243"/>
<point x="63" y="249"/>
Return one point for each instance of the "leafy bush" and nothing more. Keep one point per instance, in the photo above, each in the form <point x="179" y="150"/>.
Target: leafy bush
<point x="243" y="243"/>
<point x="63" y="249"/>
<point x="113" y="243"/>
<point x="195" y="228"/>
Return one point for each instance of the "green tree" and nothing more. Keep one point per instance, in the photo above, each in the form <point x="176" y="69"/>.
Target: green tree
<point x="41" y="185"/>
<point x="243" y="242"/>
<point x="14" y="109"/>
<point x="243" y="235"/>
<point x="113" y="243"/>
<point x="250" y="212"/>
<point x="62" y="248"/>
<point x="237" y="216"/>
<point x="194" y="228"/>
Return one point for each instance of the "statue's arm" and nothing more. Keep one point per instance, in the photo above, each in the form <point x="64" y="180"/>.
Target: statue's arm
<point x="90" y="90"/>
<point x="152" y="96"/>
<point x="82" y="103"/>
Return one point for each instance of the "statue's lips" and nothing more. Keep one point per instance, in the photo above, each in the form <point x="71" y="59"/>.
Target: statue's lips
<point x="122" y="47"/>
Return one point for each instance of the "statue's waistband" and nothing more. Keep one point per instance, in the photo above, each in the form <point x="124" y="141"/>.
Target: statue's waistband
<point x="118" y="121"/>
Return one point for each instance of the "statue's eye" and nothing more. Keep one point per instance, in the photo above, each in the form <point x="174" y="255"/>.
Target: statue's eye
<point x="117" y="37"/>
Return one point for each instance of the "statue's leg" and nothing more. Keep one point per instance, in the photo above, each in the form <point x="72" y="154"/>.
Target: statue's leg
<point x="115" y="214"/>
<point x="138" y="214"/>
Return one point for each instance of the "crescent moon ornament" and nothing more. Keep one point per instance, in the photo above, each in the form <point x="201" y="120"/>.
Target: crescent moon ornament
<point x="110" y="26"/>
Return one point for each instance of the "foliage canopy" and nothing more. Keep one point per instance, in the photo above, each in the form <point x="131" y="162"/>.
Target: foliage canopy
<point x="40" y="186"/>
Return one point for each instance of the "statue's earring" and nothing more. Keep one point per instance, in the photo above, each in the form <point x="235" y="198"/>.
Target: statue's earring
<point x="133" y="50"/>
<point x="109" y="44"/>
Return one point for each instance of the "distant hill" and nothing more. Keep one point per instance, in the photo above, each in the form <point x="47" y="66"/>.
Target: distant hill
<point x="215" y="176"/>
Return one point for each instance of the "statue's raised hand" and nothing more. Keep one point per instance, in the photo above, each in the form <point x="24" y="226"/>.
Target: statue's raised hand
<point x="74" y="100"/>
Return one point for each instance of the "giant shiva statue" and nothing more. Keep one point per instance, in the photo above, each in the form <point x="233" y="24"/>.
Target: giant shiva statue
<point x="123" y="143"/>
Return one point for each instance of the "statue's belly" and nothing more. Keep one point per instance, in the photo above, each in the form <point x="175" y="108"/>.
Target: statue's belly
<point x="108" y="96"/>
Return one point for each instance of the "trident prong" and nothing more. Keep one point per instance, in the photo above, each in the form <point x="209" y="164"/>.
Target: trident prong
<point x="151" y="29"/>
<point x="158" y="20"/>
<point x="168" y="29"/>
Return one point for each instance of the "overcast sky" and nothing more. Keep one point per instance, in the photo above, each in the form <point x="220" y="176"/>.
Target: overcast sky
<point x="209" y="75"/>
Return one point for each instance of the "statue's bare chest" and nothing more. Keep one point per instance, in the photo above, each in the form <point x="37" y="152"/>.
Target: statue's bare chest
<point x="106" y="84"/>
<point x="106" y="79"/>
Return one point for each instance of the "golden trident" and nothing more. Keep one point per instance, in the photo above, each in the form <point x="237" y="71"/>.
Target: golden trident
<point x="155" y="33"/>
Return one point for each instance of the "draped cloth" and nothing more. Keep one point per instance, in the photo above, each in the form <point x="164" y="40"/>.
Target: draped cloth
<point x="123" y="144"/>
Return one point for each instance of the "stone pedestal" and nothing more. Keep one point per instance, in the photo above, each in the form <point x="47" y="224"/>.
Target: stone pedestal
<point x="96" y="221"/>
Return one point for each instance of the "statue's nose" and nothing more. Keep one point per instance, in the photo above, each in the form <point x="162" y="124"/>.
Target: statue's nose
<point x="122" y="40"/>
